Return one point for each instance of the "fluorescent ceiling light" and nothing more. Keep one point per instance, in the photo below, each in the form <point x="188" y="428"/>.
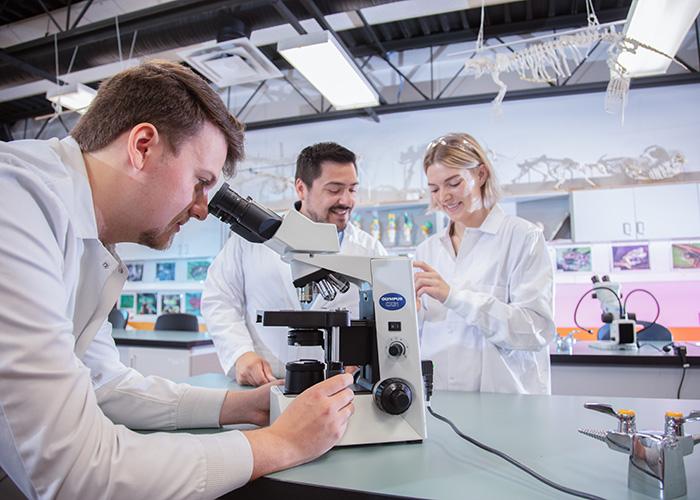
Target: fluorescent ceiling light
<point x="661" y="24"/>
<point x="74" y="96"/>
<point x="321" y="60"/>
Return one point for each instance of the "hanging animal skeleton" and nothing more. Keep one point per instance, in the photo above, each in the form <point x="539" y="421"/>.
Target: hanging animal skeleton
<point x="558" y="57"/>
<point x="655" y="163"/>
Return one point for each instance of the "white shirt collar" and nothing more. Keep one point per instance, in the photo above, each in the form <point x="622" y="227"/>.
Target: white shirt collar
<point x="83" y="208"/>
<point x="492" y="223"/>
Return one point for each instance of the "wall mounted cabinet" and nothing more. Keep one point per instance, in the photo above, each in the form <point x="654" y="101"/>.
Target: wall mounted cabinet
<point x="637" y="213"/>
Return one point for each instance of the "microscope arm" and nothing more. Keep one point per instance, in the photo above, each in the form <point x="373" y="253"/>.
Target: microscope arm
<point x="354" y="268"/>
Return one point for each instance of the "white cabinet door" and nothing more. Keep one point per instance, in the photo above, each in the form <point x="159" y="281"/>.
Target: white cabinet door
<point x="603" y="215"/>
<point x="670" y="211"/>
<point x="173" y="364"/>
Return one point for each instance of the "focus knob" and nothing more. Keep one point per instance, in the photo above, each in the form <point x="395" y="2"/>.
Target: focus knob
<point x="393" y="396"/>
<point x="396" y="349"/>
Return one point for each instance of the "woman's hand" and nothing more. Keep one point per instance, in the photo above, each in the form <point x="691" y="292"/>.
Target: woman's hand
<point x="429" y="282"/>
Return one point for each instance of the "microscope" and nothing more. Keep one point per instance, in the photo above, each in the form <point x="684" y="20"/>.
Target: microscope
<point x="619" y="327"/>
<point x="383" y="342"/>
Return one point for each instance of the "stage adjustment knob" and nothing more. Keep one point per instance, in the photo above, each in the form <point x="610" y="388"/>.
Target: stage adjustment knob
<point x="396" y="349"/>
<point x="393" y="396"/>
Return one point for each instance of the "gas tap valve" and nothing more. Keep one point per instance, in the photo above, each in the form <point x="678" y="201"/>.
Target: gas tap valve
<point x="656" y="466"/>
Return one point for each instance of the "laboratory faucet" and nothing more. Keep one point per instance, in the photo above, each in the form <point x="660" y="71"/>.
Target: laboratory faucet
<point x="656" y="465"/>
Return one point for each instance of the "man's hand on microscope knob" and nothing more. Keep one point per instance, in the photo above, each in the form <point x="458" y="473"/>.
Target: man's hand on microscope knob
<point x="309" y="427"/>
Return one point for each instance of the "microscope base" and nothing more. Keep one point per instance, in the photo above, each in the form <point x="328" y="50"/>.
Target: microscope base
<point x="368" y="425"/>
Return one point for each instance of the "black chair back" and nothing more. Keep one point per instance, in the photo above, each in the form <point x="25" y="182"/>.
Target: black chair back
<point x="177" y="321"/>
<point x="118" y="318"/>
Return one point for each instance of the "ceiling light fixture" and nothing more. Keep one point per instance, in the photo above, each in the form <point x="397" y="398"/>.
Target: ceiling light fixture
<point x="74" y="96"/>
<point x="321" y="60"/>
<point x="661" y="24"/>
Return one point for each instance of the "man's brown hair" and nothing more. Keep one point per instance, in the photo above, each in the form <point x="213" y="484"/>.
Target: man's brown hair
<point x="165" y="94"/>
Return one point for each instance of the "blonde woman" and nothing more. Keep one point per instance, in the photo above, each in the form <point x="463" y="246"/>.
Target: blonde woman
<point x="485" y="283"/>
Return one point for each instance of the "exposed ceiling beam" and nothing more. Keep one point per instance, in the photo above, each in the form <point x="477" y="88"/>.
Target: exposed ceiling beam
<point x="515" y="28"/>
<point x="587" y="88"/>
<point x="24" y="66"/>
<point x="82" y="13"/>
<point x="288" y="16"/>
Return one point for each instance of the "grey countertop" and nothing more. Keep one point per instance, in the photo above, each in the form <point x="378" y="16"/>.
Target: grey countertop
<point x="540" y="431"/>
<point x="161" y="338"/>
<point x="650" y="353"/>
<point x="582" y="352"/>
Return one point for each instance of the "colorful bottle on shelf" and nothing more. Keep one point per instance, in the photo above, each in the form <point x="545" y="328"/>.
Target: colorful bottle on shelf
<point x="407" y="230"/>
<point x="375" y="229"/>
<point x="391" y="230"/>
<point x="427" y="229"/>
<point x="357" y="221"/>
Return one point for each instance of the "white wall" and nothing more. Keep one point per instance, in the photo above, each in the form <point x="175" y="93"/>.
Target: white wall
<point x="390" y="152"/>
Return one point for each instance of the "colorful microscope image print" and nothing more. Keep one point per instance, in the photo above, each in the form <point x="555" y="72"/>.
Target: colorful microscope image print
<point x="165" y="271"/>
<point x="197" y="270"/>
<point x="170" y="303"/>
<point x="146" y="303"/>
<point x="630" y="257"/>
<point x="574" y="259"/>
<point x="193" y="301"/>
<point x="135" y="272"/>
<point x="686" y="255"/>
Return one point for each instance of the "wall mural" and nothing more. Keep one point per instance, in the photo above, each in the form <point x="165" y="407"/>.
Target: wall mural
<point x="655" y="163"/>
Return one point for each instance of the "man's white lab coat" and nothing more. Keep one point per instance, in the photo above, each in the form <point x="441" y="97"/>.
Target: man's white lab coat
<point x="65" y="398"/>
<point x="492" y="334"/>
<point x="248" y="277"/>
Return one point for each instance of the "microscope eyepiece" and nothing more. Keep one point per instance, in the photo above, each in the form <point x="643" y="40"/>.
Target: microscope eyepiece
<point x="246" y="218"/>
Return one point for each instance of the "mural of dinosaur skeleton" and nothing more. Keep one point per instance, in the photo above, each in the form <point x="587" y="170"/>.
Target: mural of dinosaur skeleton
<point x="557" y="169"/>
<point x="655" y="163"/>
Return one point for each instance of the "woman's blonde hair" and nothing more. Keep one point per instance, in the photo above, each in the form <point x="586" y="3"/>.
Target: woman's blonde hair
<point x="462" y="151"/>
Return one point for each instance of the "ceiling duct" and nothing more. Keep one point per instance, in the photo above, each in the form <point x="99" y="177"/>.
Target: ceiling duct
<point x="232" y="62"/>
<point x="232" y="59"/>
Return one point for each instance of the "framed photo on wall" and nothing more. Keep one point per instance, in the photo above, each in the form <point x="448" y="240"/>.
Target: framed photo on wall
<point x="686" y="255"/>
<point x="574" y="259"/>
<point x="193" y="301"/>
<point x="630" y="257"/>
<point x="127" y="301"/>
<point x="135" y="272"/>
<point x="147" y="303"/>
<point x="165" y="271"/>
<point x="197" y="270"/>
<point x="170" y="303"/>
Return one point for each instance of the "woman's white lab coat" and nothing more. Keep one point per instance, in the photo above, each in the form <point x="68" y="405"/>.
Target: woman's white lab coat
<point x="493" y="331"/>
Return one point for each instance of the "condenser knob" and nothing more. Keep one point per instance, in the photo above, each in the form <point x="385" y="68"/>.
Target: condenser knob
<point x="396" y="349"/>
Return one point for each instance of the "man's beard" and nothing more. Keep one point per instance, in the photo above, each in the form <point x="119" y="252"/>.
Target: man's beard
<point x="156" y="239"/>
<point x="314" y="216"/>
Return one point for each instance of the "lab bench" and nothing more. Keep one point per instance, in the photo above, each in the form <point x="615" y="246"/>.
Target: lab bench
<point x="647" y="372"/>
<point x="175" y="355"/>
<point x="540" y="431"/>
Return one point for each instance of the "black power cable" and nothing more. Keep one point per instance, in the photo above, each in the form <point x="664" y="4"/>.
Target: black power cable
<point x="658" y="307"/>
<point x="427" y="368"/>
<point x="681" y="351"/>
<point x="513" y="461"/>
<point x="595" y="289"/>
